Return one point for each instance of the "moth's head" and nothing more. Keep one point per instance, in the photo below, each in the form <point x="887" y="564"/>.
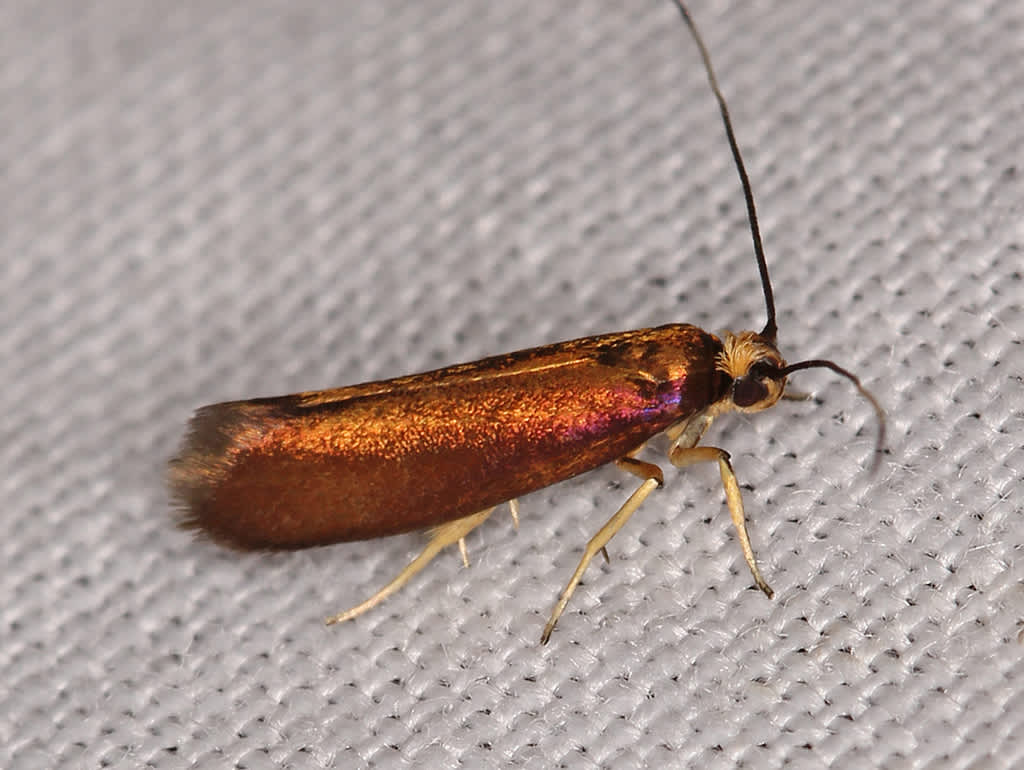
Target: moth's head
<point x="757" y="369"/>
<point x="759" y="374"/>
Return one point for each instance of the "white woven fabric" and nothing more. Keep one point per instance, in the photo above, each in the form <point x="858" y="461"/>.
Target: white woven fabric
<point x="209" y="200"/>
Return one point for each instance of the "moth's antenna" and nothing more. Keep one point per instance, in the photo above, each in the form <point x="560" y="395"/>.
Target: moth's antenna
<point x="770" y="329"/>
<point x="820" y="363"/>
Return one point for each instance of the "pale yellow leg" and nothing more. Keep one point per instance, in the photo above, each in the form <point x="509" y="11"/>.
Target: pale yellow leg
<point x="652" y="480"/>
<point x="640" y="469"/>
<point x="796" y="395"/>
<point x="442" y="536"/>
<point x="513" y="507"/>
<point x="687" y="433"/>
<point x="683" y="456"/>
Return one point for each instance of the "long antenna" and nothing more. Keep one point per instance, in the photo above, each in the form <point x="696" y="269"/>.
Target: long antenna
<point x="770" y="329"/>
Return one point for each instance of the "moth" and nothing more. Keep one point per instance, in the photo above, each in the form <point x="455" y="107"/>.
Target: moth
<point x="441" y="450"/>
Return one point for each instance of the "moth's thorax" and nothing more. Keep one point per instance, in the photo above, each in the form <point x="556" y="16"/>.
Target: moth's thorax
<point x="750" y="360"/>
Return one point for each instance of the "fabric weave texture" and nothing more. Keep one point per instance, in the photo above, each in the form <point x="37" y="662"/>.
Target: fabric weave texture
<point x="205" y="201"/>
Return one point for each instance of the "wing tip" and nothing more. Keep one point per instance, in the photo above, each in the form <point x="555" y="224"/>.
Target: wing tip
<point x="215" y="436"/>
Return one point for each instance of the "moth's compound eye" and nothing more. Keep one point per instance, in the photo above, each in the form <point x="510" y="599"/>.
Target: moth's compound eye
<point x="754" y="386"/>
<point x="747" y="391"/>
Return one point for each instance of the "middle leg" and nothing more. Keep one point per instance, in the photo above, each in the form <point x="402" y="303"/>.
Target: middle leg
<point x="653" y="478"/>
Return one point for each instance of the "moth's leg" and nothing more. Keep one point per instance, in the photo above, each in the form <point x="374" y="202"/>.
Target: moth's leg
<point x="652" y="476"/>
<point x="440" y="537"/>
<point x="513" y="508"/>
<point x="641" y="470"/>
<point x="681" y="457"/>
<point x="796" y="395"/>
<point x="688" y="433"/>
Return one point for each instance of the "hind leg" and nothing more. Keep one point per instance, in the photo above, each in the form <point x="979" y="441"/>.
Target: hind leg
<point x="446" y="534"/>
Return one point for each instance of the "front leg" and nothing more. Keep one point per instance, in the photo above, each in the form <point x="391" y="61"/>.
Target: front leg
<point x="682" y="456"/>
